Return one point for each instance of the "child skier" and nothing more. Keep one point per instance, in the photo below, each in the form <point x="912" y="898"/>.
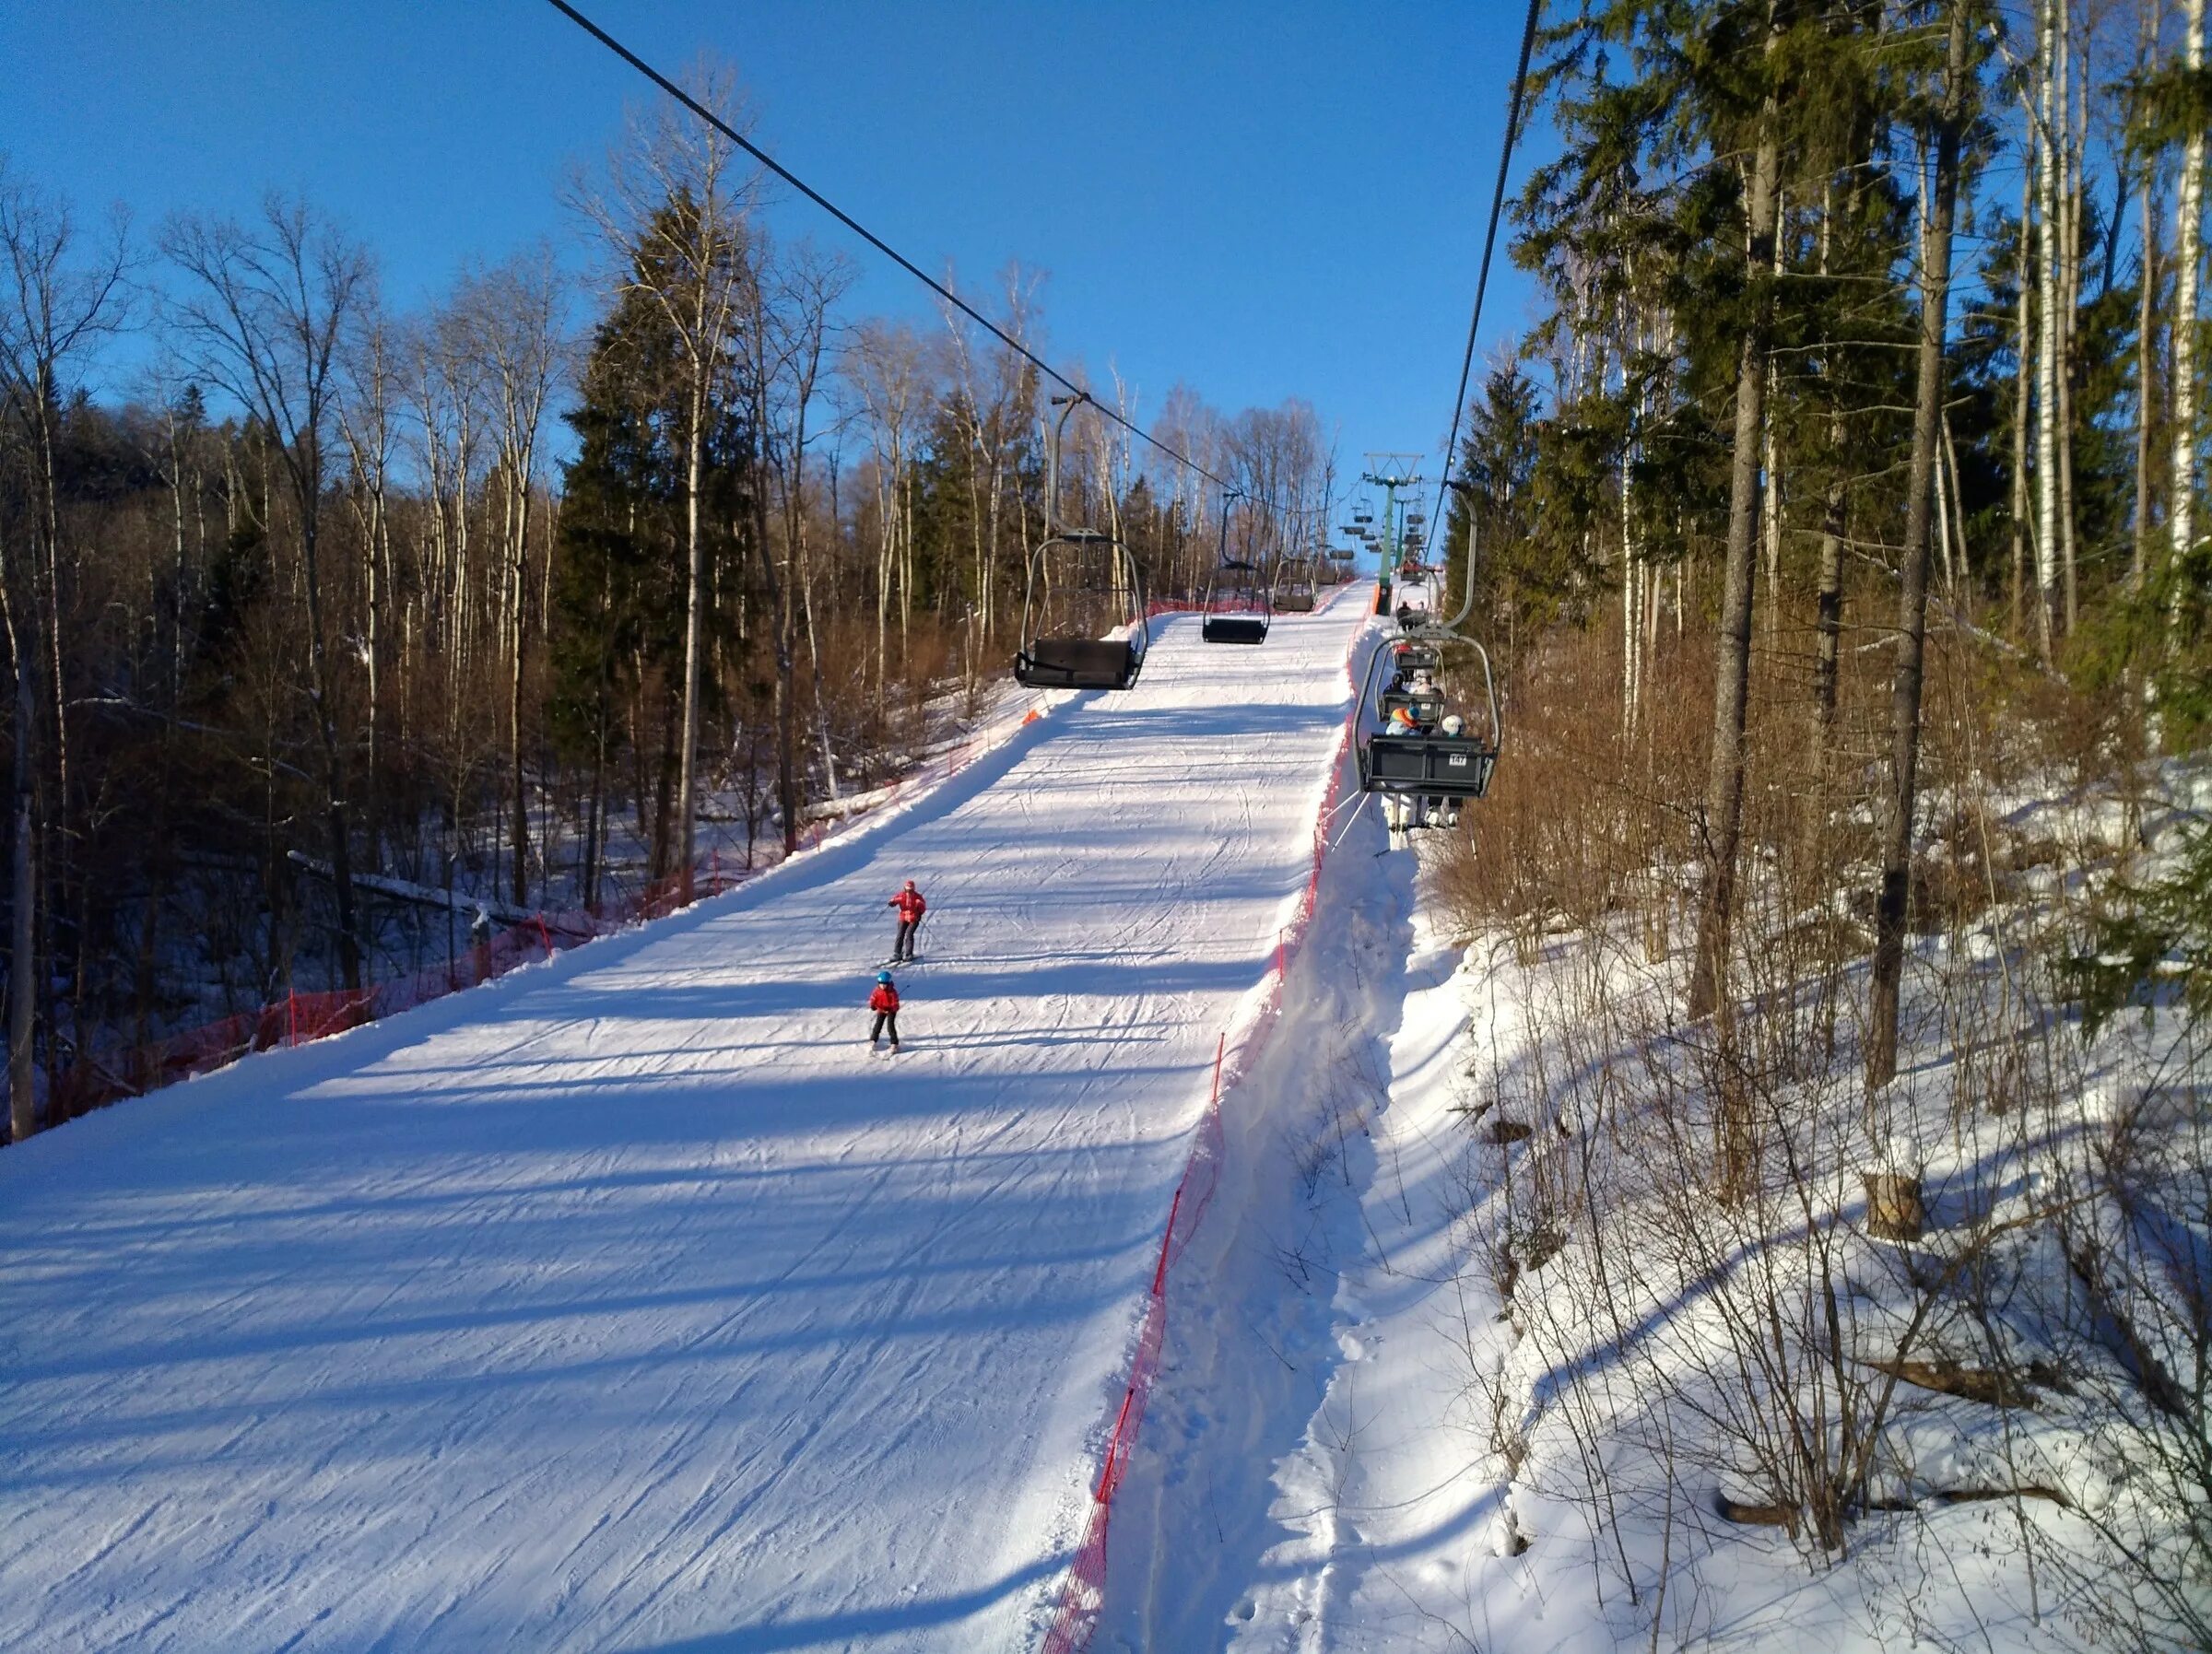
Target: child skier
<point x="1397" y="809"/>
<point x="910" y="907"/>
<point x="884" y="1001"/>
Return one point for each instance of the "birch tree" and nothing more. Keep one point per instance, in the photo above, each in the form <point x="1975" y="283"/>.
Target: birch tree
<point x="2189" y="257"/>
<point x="511" y="315"/>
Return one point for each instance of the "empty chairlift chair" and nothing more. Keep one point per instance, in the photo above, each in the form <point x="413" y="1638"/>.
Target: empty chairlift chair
<point x="1082" y="586"/>
<point x="1295" y="580"/>
<point x="1238" y="607"/>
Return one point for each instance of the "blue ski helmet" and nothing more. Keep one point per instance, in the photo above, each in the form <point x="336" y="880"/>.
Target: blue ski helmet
<point x="883" y="976"/>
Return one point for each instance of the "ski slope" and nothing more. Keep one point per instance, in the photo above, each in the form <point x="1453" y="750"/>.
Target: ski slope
<point x="627" y="1302"/>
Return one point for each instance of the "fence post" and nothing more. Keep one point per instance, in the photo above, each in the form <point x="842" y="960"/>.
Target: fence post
<point x="1159" y="1275"/>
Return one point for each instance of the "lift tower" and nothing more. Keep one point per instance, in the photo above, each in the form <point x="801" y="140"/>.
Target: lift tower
<point x="1393" y="473"/>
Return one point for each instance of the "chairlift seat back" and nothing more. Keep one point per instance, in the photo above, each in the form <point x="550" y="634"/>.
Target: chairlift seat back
<point x="1078" y="663"/>
<point x="1234" y="629"/>
<point x="1428" y="766"/>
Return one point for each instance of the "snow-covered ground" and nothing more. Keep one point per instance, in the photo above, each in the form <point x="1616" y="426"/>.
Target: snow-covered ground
<point x="628" y="1303"/>
<point x="1503" y="1356"/>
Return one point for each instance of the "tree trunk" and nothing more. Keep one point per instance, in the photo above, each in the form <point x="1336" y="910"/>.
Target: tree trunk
<point x="2189" y="253"/>
<point x="1912" y="601"/>
<point x="1828" y="622"/>
<point x="2022" y="378"/>
<point x="23" y="889"/>
<point x="334" y="757"/>
<point x="2146" y="381"/>
<point x="2049" y="159"/>
<point x="520" y="509"/>
<point x="687" y="784"/>
<point x="2069" y="310"/>
<point x="1725" y="784"/>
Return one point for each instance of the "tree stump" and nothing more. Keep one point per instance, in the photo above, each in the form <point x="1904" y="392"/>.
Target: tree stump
<point x="1894" y="1210"/>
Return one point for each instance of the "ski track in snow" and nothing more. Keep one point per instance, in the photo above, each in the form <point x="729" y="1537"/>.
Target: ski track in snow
<point x="626" y="1303"/>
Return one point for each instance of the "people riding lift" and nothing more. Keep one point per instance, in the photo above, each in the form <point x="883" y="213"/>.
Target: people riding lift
<point x="910" y="907"/>
<point x="1454" y="728"/>
<point x="1398" y="809"/>
<point x="884" y="1001"/>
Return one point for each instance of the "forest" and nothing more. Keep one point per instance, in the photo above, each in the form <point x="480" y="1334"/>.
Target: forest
<point x="332" y="625"/>
<point x="1840" y="526"/>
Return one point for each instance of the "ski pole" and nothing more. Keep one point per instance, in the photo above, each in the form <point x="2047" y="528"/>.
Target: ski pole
<point x="1348" y="823"/>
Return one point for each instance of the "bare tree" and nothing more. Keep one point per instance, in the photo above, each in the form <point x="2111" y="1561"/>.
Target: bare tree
<point x="267" y="309"/>
<point x="1912" y="617"/>
<point x="61" y="297"/>
<point x="883" y="365"/>
<point x="511" y="318"/>
<point x="366" y="421"/>
<point x="806" y="286"/>
<point x="1724" y="801"/>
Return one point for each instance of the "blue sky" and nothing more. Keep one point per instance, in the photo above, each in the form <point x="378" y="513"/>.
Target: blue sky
<point x="1261" y="200"/>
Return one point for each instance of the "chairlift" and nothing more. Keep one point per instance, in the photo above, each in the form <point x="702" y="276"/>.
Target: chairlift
<point x="1295" y="582"/>
<point x="1238" y="604"/>
<point x="1427" y="765"/>
<point x="1084" y="586"/>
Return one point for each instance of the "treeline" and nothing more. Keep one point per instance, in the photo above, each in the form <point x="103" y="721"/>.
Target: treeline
<point x="1861" y="318"/>
<point x="325" y="621"/>
<point x="1841" y="528"/>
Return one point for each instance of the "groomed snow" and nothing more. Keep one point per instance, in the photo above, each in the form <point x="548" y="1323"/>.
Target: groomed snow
<point x="628" y="1303"/>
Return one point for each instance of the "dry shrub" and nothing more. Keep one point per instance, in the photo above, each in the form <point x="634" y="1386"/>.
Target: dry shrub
<point x="1582" y="810"/>
<point x="1762" y="1349"/>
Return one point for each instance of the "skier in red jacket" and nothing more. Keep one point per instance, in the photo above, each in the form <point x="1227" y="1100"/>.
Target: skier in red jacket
<point x="884" y="1001"/>
<point x="910" y="907"/>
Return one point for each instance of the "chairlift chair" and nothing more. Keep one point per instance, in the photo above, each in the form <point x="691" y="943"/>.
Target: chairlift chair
<point x="1082" y="584"/>
<point x="1427" y="765"/>
<point x="1238" y="605"/>
<point x="1295" y="583"/>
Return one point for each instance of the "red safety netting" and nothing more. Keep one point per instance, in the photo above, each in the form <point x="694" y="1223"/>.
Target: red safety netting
<point x="1083" y="1592"/>
<point x="298" y="1018"/>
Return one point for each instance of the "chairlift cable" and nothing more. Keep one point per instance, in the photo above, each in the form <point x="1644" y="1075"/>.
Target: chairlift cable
<point x="1489" y="242"/>
<point x="883" y="247"/>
